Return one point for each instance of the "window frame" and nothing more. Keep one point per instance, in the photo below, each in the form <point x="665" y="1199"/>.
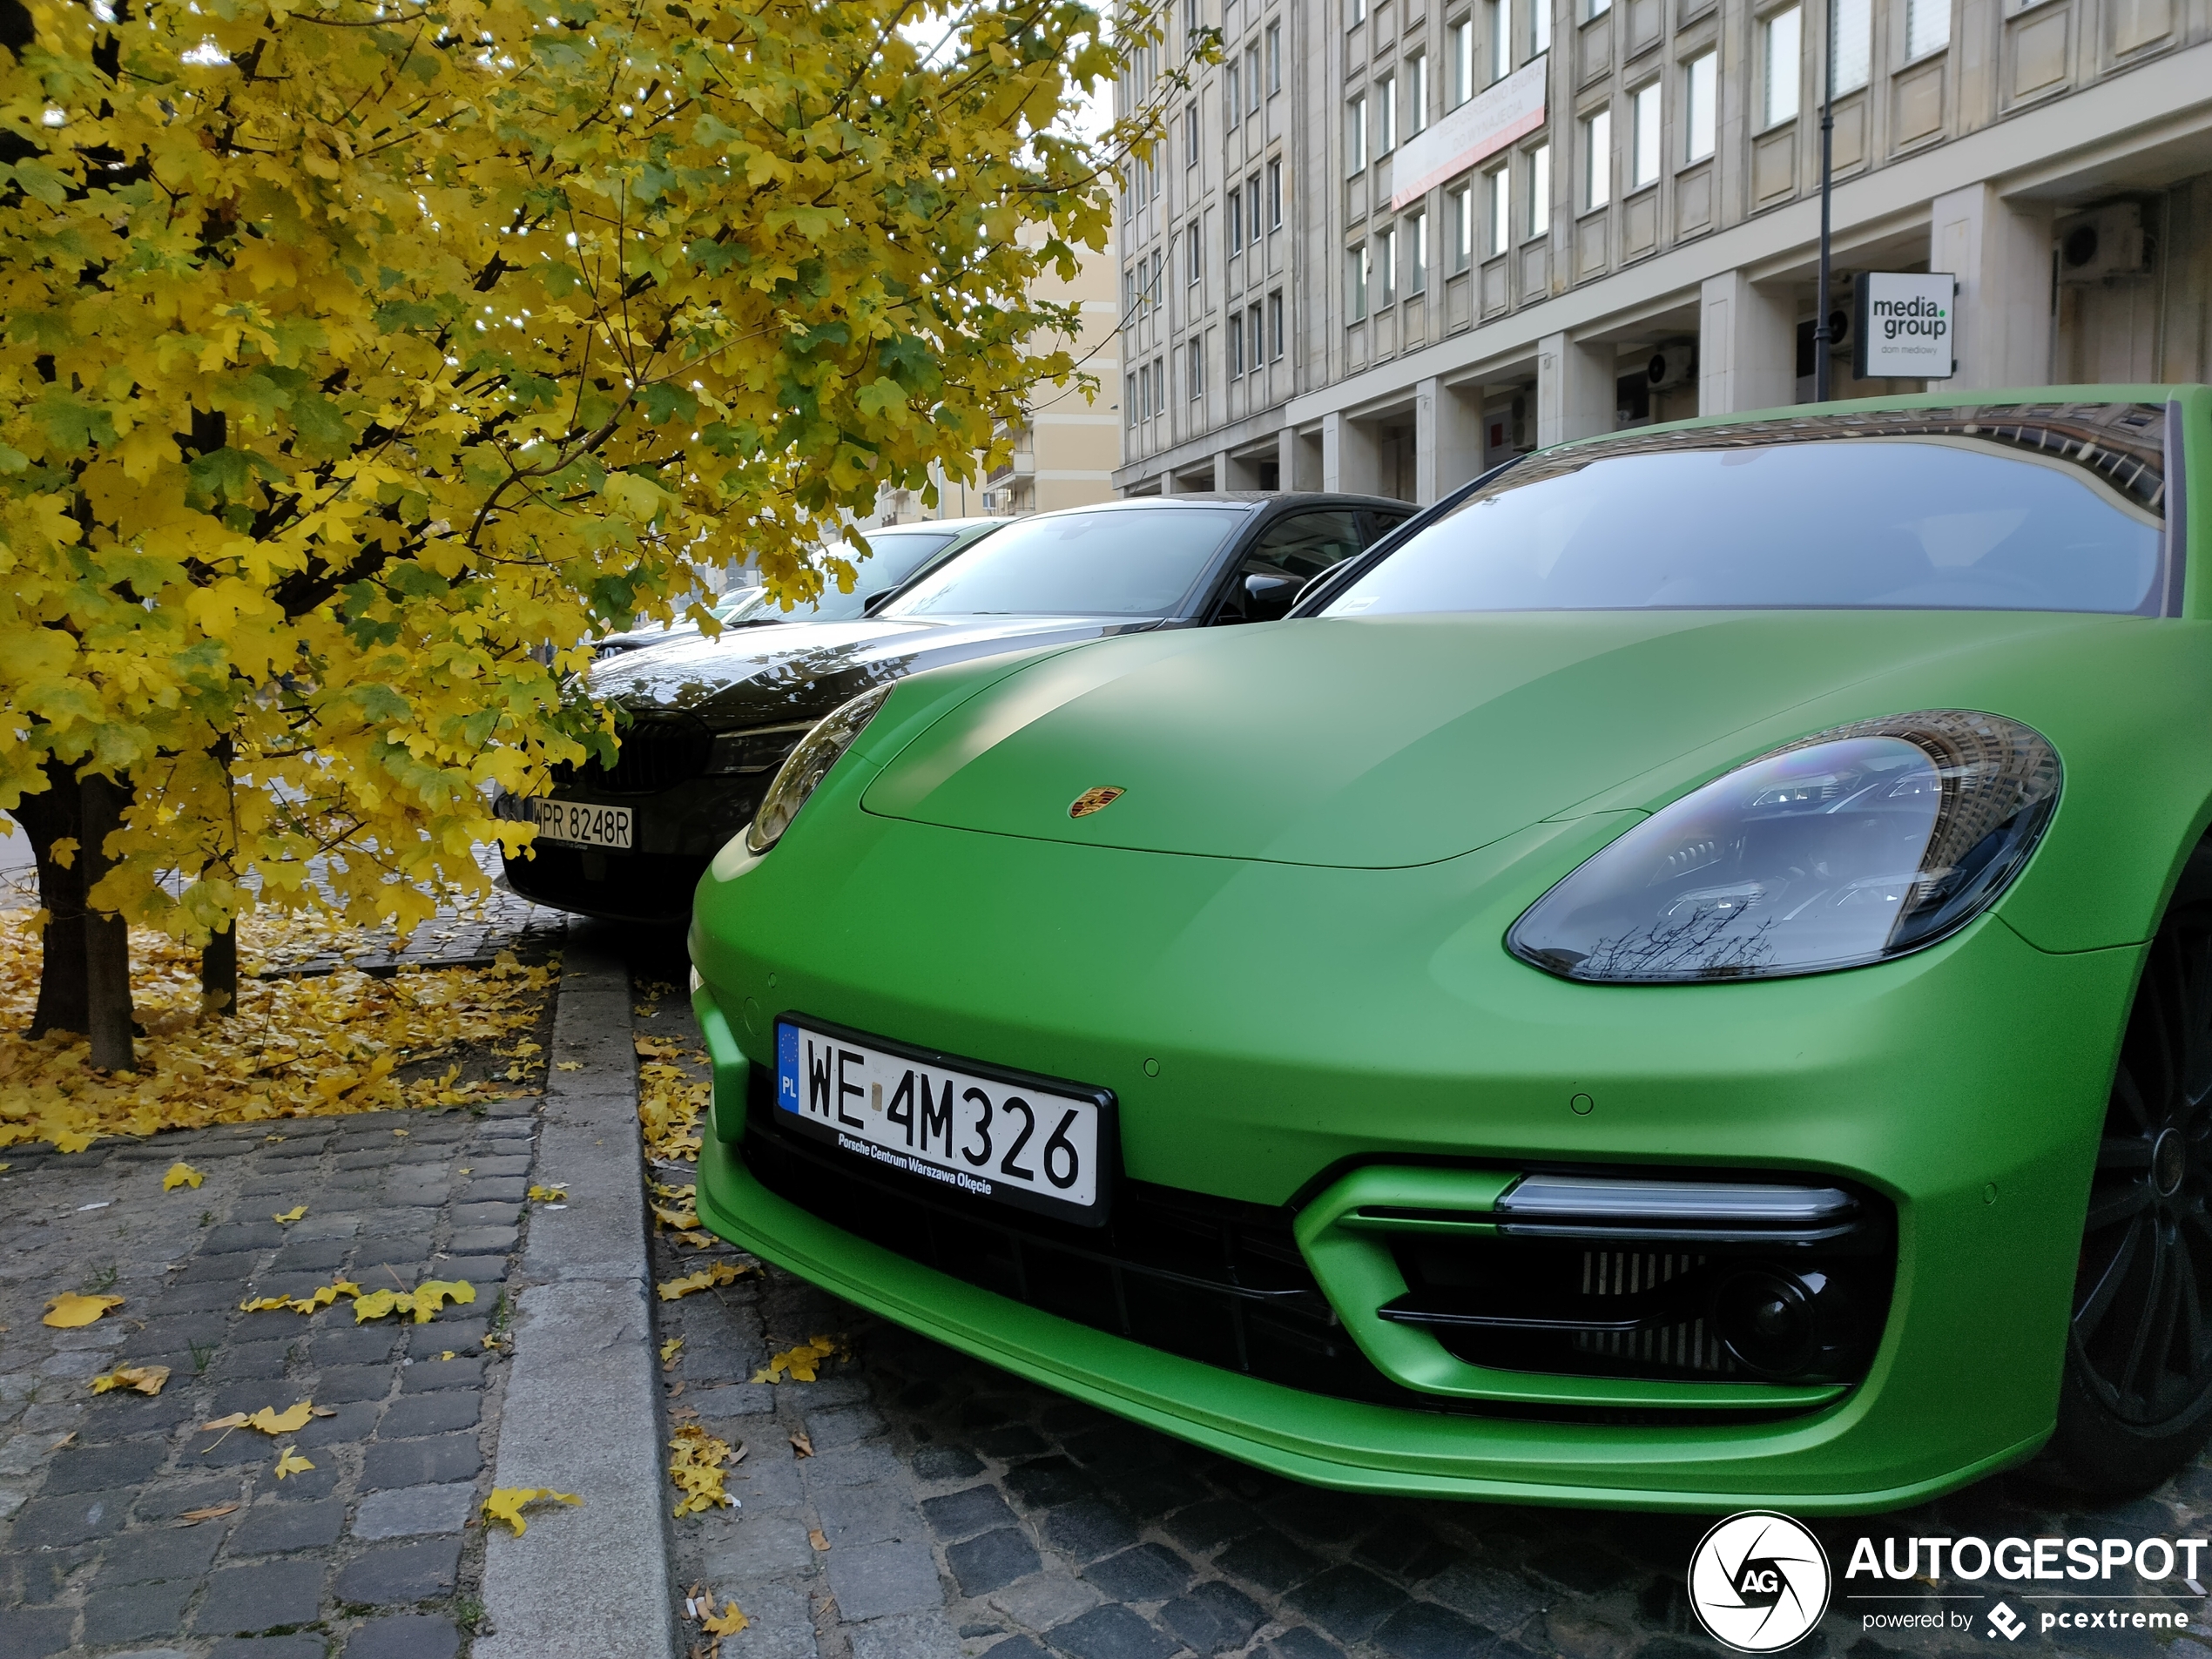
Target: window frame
<point x="1597" y="158"/>
<point x="1501" y="215"/>
<point x="1539" y="216"/>
<point x="1416" y="74"/>
<point x="1770" y="115"/>
<point x="1701" y="114"/>
<point x="1274" y="58"/>
<point x="1274" y="194"/>
<point x="1461" y="200"/>
<point x="1860" y="60"/>
<point x="1355" y="282"/>
<point x="1647" y="135"/>
<point x="1412" y="232"/>
<point x="1232" y="98"/>
<point x="1383" y="272"/>
<point x="1355" y="134"/>
<point x="1914" y="10"/>
<point x="1385" y="92"/>
<point x="1459" y="49"/>
<point x="1275" y="329"/>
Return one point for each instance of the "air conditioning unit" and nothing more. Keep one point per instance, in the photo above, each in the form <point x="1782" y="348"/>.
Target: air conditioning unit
<point x="2104" y="243"/>
<point x="1672" y="366"/>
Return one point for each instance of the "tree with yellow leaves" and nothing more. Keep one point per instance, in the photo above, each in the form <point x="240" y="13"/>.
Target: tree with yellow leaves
<point x="364" y="360"/>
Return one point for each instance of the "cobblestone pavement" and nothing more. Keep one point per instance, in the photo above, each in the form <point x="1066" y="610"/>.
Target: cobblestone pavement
<point x="948" y="1508"/>
<point x="368" y="1548"/>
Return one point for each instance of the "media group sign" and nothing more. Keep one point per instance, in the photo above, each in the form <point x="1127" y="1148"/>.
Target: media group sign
<point x="1905" y="328"/>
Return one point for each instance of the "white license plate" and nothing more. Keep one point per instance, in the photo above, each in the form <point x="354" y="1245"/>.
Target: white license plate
<point x="1020" y="1141"/>
<point x="575" y="823"/>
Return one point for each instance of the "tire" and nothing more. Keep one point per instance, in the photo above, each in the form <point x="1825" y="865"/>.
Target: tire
<point x="2135" y="1401"/>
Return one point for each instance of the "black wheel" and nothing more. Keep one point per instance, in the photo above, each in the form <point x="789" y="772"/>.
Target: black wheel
<point x="2137" y="1400"/>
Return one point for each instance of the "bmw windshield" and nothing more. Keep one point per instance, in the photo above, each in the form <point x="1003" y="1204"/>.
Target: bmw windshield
<point x="1993" y="510"/>
<point x="1115" y="561"/>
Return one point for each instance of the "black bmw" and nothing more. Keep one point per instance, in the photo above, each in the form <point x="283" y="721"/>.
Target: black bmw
<point x="709" y="721"/>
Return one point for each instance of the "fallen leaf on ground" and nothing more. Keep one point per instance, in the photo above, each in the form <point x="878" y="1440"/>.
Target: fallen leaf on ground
<point x="670" y="1349"/>
<point x="321" y="1297"/>
<point x="803" y="1444"/>
<point x="695" y="1460"/>
<point x="548" y="1194"/>
<point x="269" y="1420"/>
<point x="181" y="1174"/>
<point x="712" y="1273"/>
<point x="698" y="1239"/>
<point x="213" y="1512"/>
<point x="147" y="1380"/>
<point x="424" y="1301"/>
<point x="64" y="1440"/>
<point x="568" y="1065"/>
<point x="728" y="1622"/>
<point x="290" y="1216"/>
<point x="803" y="1361"/>
<point x="290" y="1462"/>
<point x="68" y="1311"/>
<point x="818" y="1538"/>
<point x="507" y="1503"/>
<point x="322" y="1411"/>
<point x="447" y="1354"/>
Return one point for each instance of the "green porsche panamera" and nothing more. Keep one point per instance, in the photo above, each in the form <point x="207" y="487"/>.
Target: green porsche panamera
<point x="1680" y="979"/>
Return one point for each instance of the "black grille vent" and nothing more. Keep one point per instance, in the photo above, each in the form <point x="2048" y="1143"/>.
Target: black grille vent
<point x="654" y="755"/>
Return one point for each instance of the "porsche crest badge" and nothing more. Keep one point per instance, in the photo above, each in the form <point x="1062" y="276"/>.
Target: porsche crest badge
<point x="1095" y="800"/>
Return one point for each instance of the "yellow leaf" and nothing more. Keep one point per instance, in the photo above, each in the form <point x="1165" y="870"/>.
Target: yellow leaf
<point x="548" y="1194"/>
<point x="433" y="1294"/>
<point x="213" y="1512"/>
<point x="290" y="1462"/>
<point x="269" y="1420"/>
<point x="728" y="1622"/>
<point x="695" y="1463"/>
<point x="507" y="1503"/>
<point x="670" y="1348"/>
<point x="180" y="1174"/>
<point x="235" y="1420"/>
<point x="68" y="1311"/>
<point x="377" y="1304"/>
<point x="147" y="1380"/>
<point x="712" y="1273"/>
<point x="568" y="1065"/>
<point x="290" y="1216"/>
<point x="803" y="1361"/>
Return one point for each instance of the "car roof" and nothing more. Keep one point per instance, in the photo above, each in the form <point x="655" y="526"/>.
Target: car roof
<point x="975" y="522"/>
<point x="1244" y="498"/>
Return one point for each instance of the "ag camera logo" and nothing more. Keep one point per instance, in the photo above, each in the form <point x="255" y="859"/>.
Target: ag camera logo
<point x="1759" y="1581"/>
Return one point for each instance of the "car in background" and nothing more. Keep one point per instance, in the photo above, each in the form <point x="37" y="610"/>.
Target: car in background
<point x="1683" y="981"/>
<point x="659" y="633"/>
<point x="709" y="721"/>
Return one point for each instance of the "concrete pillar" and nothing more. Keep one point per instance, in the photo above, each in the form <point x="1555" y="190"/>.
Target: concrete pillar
<point x="2001" y="255"/>
<point x="1167" y="486"/>
<point x="1448" y="439"/>
<point x="1351" y="458"/>
<point x="1231" y="473"/>
<point x="1747" y="346"/>
<point x="1302" y="461"/>
<point x="1575" y="393"/>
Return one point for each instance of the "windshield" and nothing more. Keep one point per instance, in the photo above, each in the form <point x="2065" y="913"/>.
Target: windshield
<point x="894" y="556"/>
<point x="2062" y="515"/>
<point x="1141" y="562"/>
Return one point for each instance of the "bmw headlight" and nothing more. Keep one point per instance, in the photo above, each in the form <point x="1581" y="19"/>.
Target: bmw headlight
<point x="808" y="764"/>
<point x="1849" y="847"/>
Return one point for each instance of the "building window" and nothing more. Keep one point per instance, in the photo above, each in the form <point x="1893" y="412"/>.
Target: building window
<point x="1597" y="158"/>
<point x="1233" y="94"/>
<point x="1159" y="385"/>
<point x="1382" y="277"/>
<point x="1128" y="397"/>
<point x="1355" y="282"/>
<point x="1459" y="203"/>
<point x="1144" y="404"/>
<point x="1700" y="83"/>
<point x="1252" y="208"/>
<point x="1852" y="41"/>
<point x="1415" y="234"/>
<point x="1927" y="27"/>
<point x="1496" y="15"/>
<point x="1540" y="27"/>
<point x="1599" y="8"/>
<point x="1355" y="12"/>
<point x="1159" y="276"/>
<point x="1355" y="136"/>
<point x="1785" y="37"/>
<point x="1385" y="115"/>
<point x="1539" y="190"/>
<point x="1129" y="292"/>
<point x="1416" y="93"/>
<point x="1236" y="349"/>
<point x="1190" y="137"/>
<point x="1275" y="325"/>
<point x="1643" y="160"/>
<point x="1194" y="255"/>
<point x="1236" y="237"/>
<point x="1251" y="80"/>
<point x="1274" y="58"/>
<point x="1256" y="324"/>
<point x="1459" y="52"/>
<point x="1194" y="371"/>
<point x="1499" y="185"/>
<point x="1275" y="195"/>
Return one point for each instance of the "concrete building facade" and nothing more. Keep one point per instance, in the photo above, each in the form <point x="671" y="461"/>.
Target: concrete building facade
<point x="1386" y="243"/>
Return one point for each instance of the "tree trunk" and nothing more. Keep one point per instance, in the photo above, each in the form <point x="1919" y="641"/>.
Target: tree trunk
<point x="48" y="817"/>
<point x="107" y="937"/>
<point x="219" y="974"/>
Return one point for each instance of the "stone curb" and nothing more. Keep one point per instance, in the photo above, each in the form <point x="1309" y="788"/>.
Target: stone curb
<point x="583" y="1406"/>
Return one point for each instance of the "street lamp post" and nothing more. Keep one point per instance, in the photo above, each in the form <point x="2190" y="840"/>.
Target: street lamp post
<point x="1821" y="338"/>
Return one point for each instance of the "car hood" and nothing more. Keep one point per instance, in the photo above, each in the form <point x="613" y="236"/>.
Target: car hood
<point x="778" y="673"/>
<point x="1379" y="742"/>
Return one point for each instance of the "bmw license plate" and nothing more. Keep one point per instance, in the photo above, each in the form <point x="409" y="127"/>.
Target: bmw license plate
<point x="575" y="823"/>
<point x="972" y="1132"/>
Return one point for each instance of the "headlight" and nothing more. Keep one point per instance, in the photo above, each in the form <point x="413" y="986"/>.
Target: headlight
<point x="1849" y="847"/>
<point x="755" y="751"/>
<point x="809" y="764"/>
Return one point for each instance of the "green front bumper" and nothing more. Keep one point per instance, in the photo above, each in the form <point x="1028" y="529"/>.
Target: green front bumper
<point x="1305" y="1022"/>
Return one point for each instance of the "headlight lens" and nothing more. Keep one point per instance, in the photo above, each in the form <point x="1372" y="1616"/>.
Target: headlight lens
<point x="755" y="751"/>
<point x="809" y="764"/>
<point x="1849" y="847"/>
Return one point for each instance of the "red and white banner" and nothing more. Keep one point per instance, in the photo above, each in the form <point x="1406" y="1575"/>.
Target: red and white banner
<point x="1480" y="127"/>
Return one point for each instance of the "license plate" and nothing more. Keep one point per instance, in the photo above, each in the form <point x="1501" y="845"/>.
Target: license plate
<point x="976" y="1133"/>
<point x="576" y="824"/>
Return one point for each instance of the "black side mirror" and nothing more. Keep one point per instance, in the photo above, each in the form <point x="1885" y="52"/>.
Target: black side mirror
<point x="1269" y="599"/>
<point x="875" y="602"/>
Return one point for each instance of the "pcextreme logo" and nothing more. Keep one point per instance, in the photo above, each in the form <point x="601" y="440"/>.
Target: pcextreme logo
<point x="1759" y="1581"/>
